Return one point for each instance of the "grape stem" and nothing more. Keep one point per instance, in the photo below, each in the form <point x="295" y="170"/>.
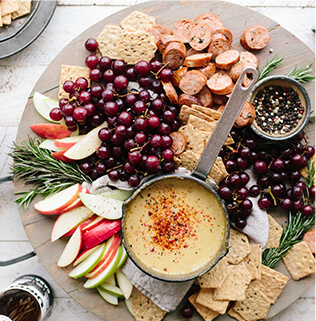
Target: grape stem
<point x="158" y="72"/>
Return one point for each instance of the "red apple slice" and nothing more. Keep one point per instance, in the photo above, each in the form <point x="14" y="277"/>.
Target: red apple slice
<point x="71" y="250"/>
<point x="87" y="146"/>
<point x="112" y="247"/>
<point x="68" y="142"/>
<point x="51" y="131"/>
<point x="60" y="155"/>
<point x="75" y="204"/>
<point x="87" y="226"/>
<point x="100" y="233"/>
<point x="67" y="221"/>
<point x="54" y="204"/>
<point x="85" y="254"/>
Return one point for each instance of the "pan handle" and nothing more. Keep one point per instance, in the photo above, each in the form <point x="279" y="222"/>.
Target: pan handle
<point x="224" y="125"/>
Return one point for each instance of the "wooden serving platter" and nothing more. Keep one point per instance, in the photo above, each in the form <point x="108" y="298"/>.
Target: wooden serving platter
<point x="237" y="19"/>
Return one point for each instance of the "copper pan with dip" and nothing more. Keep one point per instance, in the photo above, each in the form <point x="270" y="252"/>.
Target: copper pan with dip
<point x="175" y="227"/>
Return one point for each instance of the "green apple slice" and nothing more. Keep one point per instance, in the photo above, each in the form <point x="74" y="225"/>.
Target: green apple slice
<point x="108" y="208"/>
<point x="108" y="297"/>
<point x="123" y="258"/>
<point x="51" y="103"/>
<point x="111" y="280"/>
<point x="124" y="284"/>
<point x="41" y="106"/>
<point x="111" y="289"/>
<point x="117" y="194"/>
<point x="88" y="264"/>
<point x="50" y="145"/>
<point x="129" y="305"/>
<point x="111" y="269"/>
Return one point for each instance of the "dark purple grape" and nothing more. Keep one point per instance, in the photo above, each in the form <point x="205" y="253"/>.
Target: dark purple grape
<point x="287" y="153"/>
<point x="152" y="162"/>
<point x="85" y="167"/>
<point x="101" y="168"/>
<point x="94" y="174"/>
<point x="100" y="104"/>
<point x="142" y="68"/>
<point x="297" y="204"/>
<point x="96" y="120"/>
<point x="157" y="104"/>
<point x="145" y="82"/>
<point x="96" y="91"/>
<point x="105" y="63"/>
<point x="69" y="121"/>
<point x="168" y="167"/>
<point x="153" y="121"/>
<point x="297" y="191"/>
<point x="241" y="223"/>
<point x="105" y="135"/>
<point x="63" y="102"/>
<point x="91" y="44"/>
<point x="80" y="114"/>
<point x="251" y="143"/>
<point x="130" y="132"/>
<point x="297" y="160"/>
<point x="130" y="73"/>
<point x="295" y="176"/>
<point x="164" y="129"/>
<point x="120" y="83"/>
<point x="117" y="151"/>
<point x="139" y="107"/>
<point x="129" y="143"/>
<point x="107" y="95"/>
<point x="263" y="181"/>
<point x="166" y="74"/>
<point x="140" y="124"/>
<point x="304" y="162"/>
<point x="108" y="75"/>
<point x="133" y="181"/>
<point x="130" y="99"/>
<point x="175" y="125"/>
<point x="284" y="176"/>
<point x="124" y="176"/>
<point x="129" y="167"/>
<point x="253" y="157"/>
<point x="92" y="61"/>
<point x="116" y="140"/>
<point x="276" y="190"/>
<point x="311" y="192"/>
<point x="119" y="67"/>
<point x="124" y="118"/>
<point x="140" y="138"/>
<point x="309" y="152"/>
<point x="110" y="108"/>
<point x="234" y="179"/>
<point x="260" y="167"/>
<point x="243" y="192"/>
<point x="242" y="163"/>
<point x="246" y="204"/>
<point x="144" y="96"/>
<point x="278" y="165"/>
<point x="245" y="152"/>
<point x="230" y="165"/>
<point x="287" y="204"/>
<point x="157" y="86"/>
<point x="134" y="157"/>
<point x="156" y="141"/>
<point x="225" y="192"/>
<point x="264" y="203"/>
<point x="56" y="114"/>
<point x="120" y="131"/>
<point x="307" y="210"/>
<point x="168" y="116"/>
<point x="69" y="86"/>
<point x="95" y="74"/>
<point x="167" y="154"/>
<point x="299" y="148"/>
<point x="166" y="141"/>
<point x="90" y="108"/>
<point x="254" y="190"/>
<point x="103" y="152"/>
<point x="155" y="65"/>
<point x="111" y="121"/>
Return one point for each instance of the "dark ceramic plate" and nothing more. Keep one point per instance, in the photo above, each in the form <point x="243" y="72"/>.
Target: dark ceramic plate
<point x="24" y="30"/>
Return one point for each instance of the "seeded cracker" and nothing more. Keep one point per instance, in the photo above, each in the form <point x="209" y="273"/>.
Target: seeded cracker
<point x="205" y="298"/>
<point x="255" y="306"/>
<point x="145" y="310"/>
<point x="275" y="233"/>
<point x="239" y="247"/>
<point x="271" y="283"/>
<point x="236" y="315"/>
<point x="206" y="313"/>
<point x="6" y="20"/>
<point x="207" y="111"/>
<point x="235" y="284"/>
<point x="24" y="8"/>
<point x="253" y="261"/>
<point x="216" y="276"/>
<point x="71" y="73"/>
<point x="186" y="111"/>
<point x="135" y="46"/>
<point x="8" y="6"/>
<point x="299" y="261"/>
<point x="138" y="21"/>
<point x="108" y="39"/>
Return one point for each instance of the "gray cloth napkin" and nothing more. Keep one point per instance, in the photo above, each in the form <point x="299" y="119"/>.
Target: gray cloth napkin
<point x="168" y="295"/>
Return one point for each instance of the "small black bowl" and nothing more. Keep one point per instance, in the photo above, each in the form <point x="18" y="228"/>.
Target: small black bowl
<point x="286" y="82"/>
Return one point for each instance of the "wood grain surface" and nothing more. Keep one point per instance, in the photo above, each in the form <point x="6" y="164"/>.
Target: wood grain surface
<point x="237" y="19"/>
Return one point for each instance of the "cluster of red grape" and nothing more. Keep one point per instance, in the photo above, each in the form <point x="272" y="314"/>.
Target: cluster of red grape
<point x="136" y="141"/>
<point x="277" y="169"/>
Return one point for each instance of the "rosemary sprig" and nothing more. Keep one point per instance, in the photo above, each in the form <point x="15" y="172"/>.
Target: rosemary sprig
<point x="269" y="67"/>
<point x="297" y="226"/>
<point x="302" y="75"/>
<point x="37" y="167"/>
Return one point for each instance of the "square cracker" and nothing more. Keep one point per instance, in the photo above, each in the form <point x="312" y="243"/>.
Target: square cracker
<point x="206" y="313"/>
<point x="195" y="138"/>
<point x="8" y="6"/>
<point x="24" y="8"/>
<point x="108" y="40"/>
<point x="216" y="276"/>
<point x="144" y="309"/>
<point x="235" y="284"/>
<point x="255" y="306"/>
<point x="299" y="261"/>
<point x="253" y="261"/>
<point x="275" y="233"/>
<point x="207" y="111"/>
<point x="271" y="283"/>
<point x="216" y="173"/>
<point x="138" y="21"/>
<point x="206" y="298"/>
<point x="239" y="247"/>
<point x="71" y="73"/>
<point x="236" y="315"/>
<point x="186" y="111"/>
<point x="136" y="45"/>
<point x="6" y="20"/>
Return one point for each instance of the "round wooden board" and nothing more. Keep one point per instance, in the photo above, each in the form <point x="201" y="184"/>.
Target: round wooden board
<point x="237" y="19"/>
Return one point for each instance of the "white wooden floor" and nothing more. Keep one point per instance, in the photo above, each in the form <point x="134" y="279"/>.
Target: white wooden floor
<point x="18" y="75"/>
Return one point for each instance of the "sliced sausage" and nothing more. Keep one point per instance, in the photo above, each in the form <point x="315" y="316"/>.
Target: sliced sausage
<point x="221" y="108"/>
<point x="220" y="84"/>
<point x="192" y="82"/>
<point x="236" y="70"/>
<point x="255" y="37"/>
<point x="192" y="51"/>
<point x="246" y="116"/>
<point x="200" y="36"/>
<point x="174" y="55"/>
<point x="205" y="96"/>
<point x="170" y="92"/>
<point x="227" y="59"/>
<point x="188" y="100"/>
<point x="309" y="238"/>
<point x="182" y="29"/>
<point x="218" y="45"/>
<point x="208" y="70"/>
<point x="226" y="32"/>
<point x="211" y="19"/>
<point x="179" y="143"/>
<point x="198" y="60"/>
<point x="220" y="99"/>
<point x="164" y="41"/>
<point x="158" y="31"/>
<point x="249" y="59"/>
<point x="178" y="74"/>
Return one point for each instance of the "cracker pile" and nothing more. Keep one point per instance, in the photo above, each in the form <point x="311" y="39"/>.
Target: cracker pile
<point x="12" y="9"/>
<point x="130" y="41"/>
<point x="239" y="277"/>
<point x="200" y="123"/>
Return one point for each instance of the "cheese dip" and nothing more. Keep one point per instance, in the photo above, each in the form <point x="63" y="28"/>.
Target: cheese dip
<point x="175" y="226"/>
